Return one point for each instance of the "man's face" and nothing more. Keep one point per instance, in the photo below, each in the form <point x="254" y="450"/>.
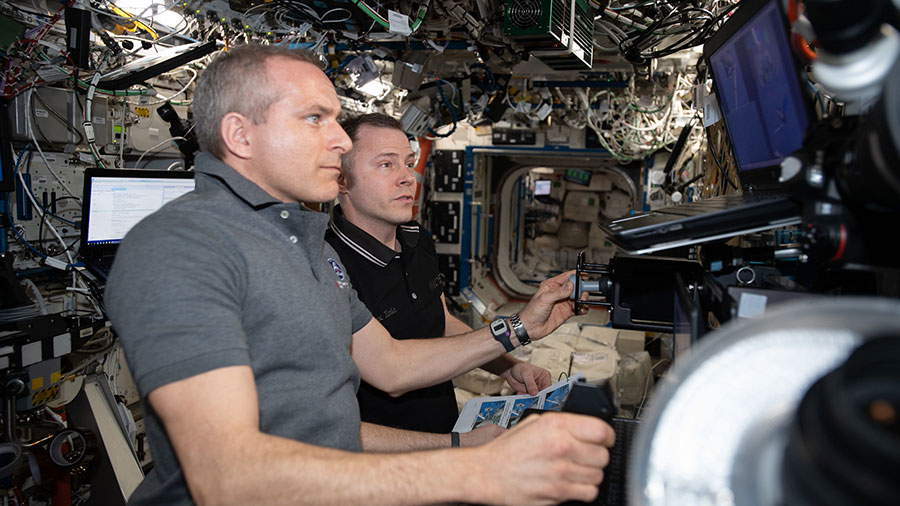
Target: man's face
<point x="296" y="151"/>
<point x="381" y="184"/>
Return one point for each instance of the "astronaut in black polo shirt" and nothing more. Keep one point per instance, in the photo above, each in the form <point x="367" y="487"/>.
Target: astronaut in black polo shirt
<point x="394" y="269"/>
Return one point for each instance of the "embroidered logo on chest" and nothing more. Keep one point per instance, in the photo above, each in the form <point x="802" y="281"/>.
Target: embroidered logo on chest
<point x="387" y="314"/>
<point x="339" y="271"/>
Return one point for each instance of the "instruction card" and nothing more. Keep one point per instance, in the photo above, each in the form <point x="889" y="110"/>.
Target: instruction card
<point x="506" y="411"/>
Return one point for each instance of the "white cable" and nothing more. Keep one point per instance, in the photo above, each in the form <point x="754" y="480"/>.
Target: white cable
<point x="38" y="298"/>
<point x="122" y="134"/>
<point x="30" y="130"/>
<point x="176" y="138"/>
<point x="612" y="29"/>
<point x="55" y="416"/>
<point x="179" y="92"/>
<point x="619" y="17"/>
<point x="40" y="211"/>
<point x="88" y="111"/>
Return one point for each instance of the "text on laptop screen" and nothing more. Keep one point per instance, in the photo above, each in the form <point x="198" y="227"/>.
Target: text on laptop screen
<point x="759" y="91"/>
<point x="118" y="203"/>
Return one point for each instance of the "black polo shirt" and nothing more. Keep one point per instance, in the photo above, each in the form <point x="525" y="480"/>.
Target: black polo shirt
<point x="403" y="291"/>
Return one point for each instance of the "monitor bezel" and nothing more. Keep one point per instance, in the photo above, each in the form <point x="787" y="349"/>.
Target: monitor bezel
<point x="94" y="172"/>
<point x="763" y="178"/>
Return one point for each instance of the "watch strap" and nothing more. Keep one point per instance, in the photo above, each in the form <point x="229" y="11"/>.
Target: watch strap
<point x="522" y="334"/>
<point x="501" y="332"/>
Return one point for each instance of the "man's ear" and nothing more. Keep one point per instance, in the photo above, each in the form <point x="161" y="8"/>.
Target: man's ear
<point x="236" y="134"/>
<point x="342" y="181"/>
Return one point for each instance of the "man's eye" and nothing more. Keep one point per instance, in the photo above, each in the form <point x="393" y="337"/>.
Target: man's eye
<point x="314" y="118"/>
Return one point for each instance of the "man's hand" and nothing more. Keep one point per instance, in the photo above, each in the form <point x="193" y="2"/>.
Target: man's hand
<point x="526" y="378"/>
<point x="550" y="307"/>
<point x="549" y="458"/>
<point x="484" y="434"/>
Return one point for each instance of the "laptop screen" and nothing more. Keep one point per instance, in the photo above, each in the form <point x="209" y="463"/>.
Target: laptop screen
<point x="114" y="200"/>
<point x="758" y="86"/>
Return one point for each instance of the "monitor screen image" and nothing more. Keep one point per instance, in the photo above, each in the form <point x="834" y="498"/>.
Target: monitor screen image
<point x="118" y="203"/>
<point x="543" y="187"/>
<point x="758" y="88"/>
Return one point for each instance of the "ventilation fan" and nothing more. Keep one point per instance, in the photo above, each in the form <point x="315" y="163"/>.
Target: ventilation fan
<point x="524" y="14"/>
<point x="558" y="32"/>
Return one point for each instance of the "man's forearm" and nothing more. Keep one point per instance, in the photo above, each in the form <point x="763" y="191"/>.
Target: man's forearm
<point x="500" y="364"/>
<point x="288" y="472"/>
<point x="378" y="438"/>
<point x="410" y="364"/>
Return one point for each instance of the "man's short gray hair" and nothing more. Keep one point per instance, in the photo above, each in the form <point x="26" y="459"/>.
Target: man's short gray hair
<point x="237" y="81"/>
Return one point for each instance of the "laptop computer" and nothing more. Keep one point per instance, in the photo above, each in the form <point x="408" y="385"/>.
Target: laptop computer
<point x="114" y="201"/>
<point x="759" y="89"/>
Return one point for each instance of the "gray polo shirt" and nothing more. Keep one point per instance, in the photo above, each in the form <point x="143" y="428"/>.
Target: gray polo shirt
<point x="228" y="275"/>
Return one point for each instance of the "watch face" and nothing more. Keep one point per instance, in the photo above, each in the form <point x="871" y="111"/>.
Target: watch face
<point x="499" y="327"/>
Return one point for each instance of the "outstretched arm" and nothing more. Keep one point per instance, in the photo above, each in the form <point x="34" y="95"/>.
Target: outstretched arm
<point x="395" y="366"/>
<point x="523" y="377"/>
<point x="227" y="460"/>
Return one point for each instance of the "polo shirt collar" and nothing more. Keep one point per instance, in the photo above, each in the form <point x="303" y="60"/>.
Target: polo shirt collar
<point x="247" y="190"/>
<point x="367" y="246"/>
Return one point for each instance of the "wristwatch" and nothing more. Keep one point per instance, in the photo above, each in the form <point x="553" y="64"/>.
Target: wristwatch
<point x="501" y="332"/>
<point x="521" y="333"/>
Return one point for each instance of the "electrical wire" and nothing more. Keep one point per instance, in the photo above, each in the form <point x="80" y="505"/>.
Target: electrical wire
<point x="645" y="392"/>
<point x="449" y="107"/>
<point x="154" y="148"/>
<point x="30" y="130"/>
<point x="179" y="92"/>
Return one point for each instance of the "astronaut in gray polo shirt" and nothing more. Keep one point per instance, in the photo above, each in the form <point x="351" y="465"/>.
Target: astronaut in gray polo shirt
<point x="248" y="343"/>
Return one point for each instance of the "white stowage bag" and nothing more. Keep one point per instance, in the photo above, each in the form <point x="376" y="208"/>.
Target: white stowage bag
<point x="544" y="242"/>
<point x="633" y="378"/>
<point x="479" y="381"/>
<point x="630" y="341"/>
<point x="582" y="206"/>
<point x="594" y="338"/>
<point x="616" y="204"/>
<point x="550" y="225"/>
<point x="573" y="234"/>
<point x="554" y="360"/>
<point x="598" y="366"/>
<point x="564" y="338"/>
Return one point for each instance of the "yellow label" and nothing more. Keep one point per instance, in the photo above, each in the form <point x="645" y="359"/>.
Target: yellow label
<point x="45" y="395"/>
<point x="142" y="112"/>
<point x="37" y="383"/>
<point x="55" y="376"/>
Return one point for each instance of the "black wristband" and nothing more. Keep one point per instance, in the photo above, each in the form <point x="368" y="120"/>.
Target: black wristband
<point x="521" y="333"/>
<point x="501" y="332"/>
<point x="454" y="439"/>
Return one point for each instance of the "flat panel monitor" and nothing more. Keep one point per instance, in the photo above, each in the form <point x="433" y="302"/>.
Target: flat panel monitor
<point x="116" y="200"/>
<point x="758" y="87"/>
<point x="543" y="187"/>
